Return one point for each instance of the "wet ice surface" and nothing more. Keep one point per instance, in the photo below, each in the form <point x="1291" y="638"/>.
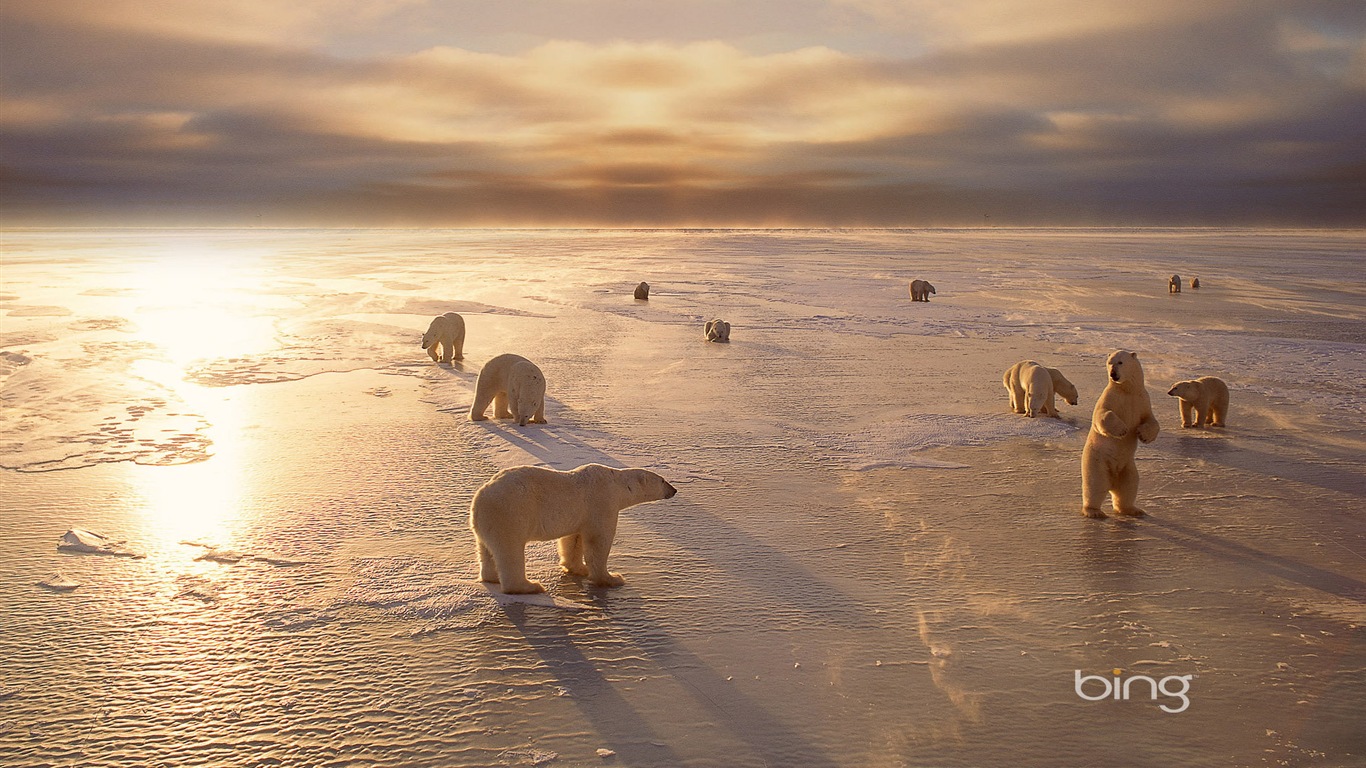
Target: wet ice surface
<point x="869" y="562"/>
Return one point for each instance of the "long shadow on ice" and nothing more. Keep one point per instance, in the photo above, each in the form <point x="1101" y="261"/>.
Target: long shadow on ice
<point x="612" y="716"/>
<point x="1272" y="565"/>
<point x="1335" y="472"/>
<point x="629" y="734"/>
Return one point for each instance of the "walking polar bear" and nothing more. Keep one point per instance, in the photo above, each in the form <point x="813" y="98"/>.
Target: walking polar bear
<point x="921" y="290"/>
<point x="1207" y="396"/>
<point x="1122" y="417"/>
<point x="578" y="508"/>
<point x="448" y="330"/>
<point x="1032" y="386"/>
<point x="1174" y="284"/>
<point x="515" y="386"/>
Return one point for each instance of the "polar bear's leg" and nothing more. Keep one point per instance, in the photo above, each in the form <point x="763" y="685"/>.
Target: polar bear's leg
<point x="488" y="570"/>
<point x="571" y="555"/>
<point x="1125" y="492"/>
<point x="459" y="346"/>
<point x="1217" y="412"/>
<point x="500" y="405"/>
<point x="445" y="351"/>
<point x="1185" y="413"/>
<point x="539" y="418"/>
<point x="482" y="396"/>
<point x="432" y="351"/>
<point x="1201" y="416"/>
<point x="1095" y="483"/>
<point x="596" y="546"/>
<point x="511" y="561"/>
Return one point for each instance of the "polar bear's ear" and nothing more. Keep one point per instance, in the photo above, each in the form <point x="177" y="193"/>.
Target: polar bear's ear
<point x="1135" y="355"/>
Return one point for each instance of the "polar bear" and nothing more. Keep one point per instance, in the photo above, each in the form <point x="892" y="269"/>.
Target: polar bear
<point x="643" y="291"/>
<point x="717" y="330"/>
<point x="515" y="386"/>
<point x="1174" y="284"/>
<point x="448" y="330"/>
<point x="921" y="290"/>
<point x="1032" y="386"/>
<point x="1207" y="396"/>
<point x="1195" y="283"/>
<point x="578" y="508"/>
<point x="1123" y="416"/>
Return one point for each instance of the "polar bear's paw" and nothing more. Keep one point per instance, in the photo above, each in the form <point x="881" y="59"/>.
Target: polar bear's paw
<point x="1130" y="512"/>
<point x="574" y="570"/>
<point x="610" y="580"/>
<point x="1092" y="512"/>
<point x="525" y="588"/>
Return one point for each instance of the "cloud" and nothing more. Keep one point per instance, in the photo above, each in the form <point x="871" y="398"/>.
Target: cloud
<point x="209" y="108"/>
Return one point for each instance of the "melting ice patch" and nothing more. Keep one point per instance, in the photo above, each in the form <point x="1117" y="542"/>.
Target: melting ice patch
<point x="892" y="444"/>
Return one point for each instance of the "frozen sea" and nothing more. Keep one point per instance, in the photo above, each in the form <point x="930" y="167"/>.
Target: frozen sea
<point x="870" y="561"/>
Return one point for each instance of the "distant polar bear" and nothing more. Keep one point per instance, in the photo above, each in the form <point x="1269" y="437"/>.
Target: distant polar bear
<point x="515" y="386"/>
<point x="717" y="330"/>
<point x="1195" y="283"/>
<point x="921" y="290"/>
<point x="1207" y="396"/>
<point x="579" y="508"/>
<point x="448" y="330"/>
<point x="1174" y="284"/>
<point x="1123" y="416"/>
<point x="643" y="291"/>
<point x="1032" y="386"/>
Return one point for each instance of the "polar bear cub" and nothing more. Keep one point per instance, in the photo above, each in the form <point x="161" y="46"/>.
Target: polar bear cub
<point x="448" y="330"/>
<point x="717" y="330"/>
<point x="516" y="388"/>
<point x="1207" y="396"/>
<point x="921" y="290"/>
<point x="1032" y="386"/>
<point x="578" y="508"/>
<point x="1122" y="417"/>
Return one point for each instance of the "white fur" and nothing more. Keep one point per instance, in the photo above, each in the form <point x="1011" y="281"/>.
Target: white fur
<point x="1032" y="386"/>
<point x="1122" y="417"/>
<point x="448" y="330"/>
<point x="717" y="330"/>
<point x="921" y="290"/>
<point x="515" y="386"/>
<point x="578" y="508"/>
<point x="1207" y="396"/>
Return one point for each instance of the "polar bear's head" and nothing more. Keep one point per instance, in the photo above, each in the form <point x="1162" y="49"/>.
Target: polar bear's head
<point x="1065" y="389"/>
<point x="429" y="338"/>
<point x="1186" y="390"/>
<point x="1124" y="368"/>
<point x="642" y="485"/>
<point x="526" y="391"/>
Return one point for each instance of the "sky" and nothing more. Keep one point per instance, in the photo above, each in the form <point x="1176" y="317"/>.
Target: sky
<point x="705" y="113"/>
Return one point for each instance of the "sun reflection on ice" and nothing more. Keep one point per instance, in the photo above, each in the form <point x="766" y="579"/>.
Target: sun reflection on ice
<point x="196" y="303"/>
<point x="198" y="502"/>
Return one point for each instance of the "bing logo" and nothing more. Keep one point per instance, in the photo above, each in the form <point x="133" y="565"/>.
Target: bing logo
<point x="1120" y="688"/>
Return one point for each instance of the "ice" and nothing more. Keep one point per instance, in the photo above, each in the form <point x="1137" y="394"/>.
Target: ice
<point x="57" y="582"/>
<point x="81" y="541"/>
<point x="871" y="560"/>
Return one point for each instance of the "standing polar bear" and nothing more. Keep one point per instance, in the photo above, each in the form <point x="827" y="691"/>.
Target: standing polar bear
<point x="1123" y="416"/>
<point x="921" y="290"/>
<point x="448" y="330"/>
<point x="1174" y="284"/>
<point x="1207" y="396"/>
<point x="1032" y="386"/>
<point x="579" y="508"/>
<point x="515" y="386"/>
